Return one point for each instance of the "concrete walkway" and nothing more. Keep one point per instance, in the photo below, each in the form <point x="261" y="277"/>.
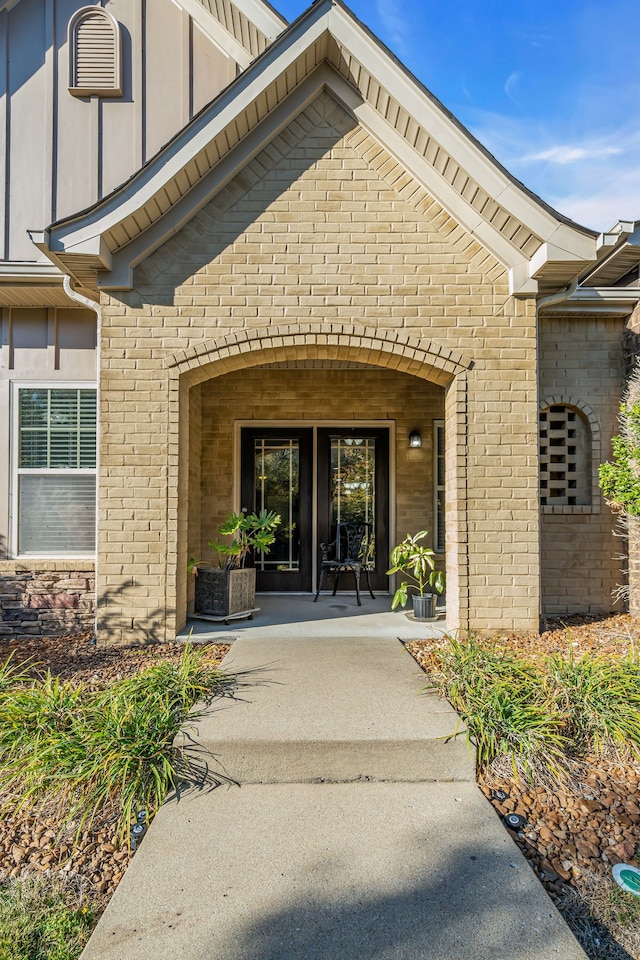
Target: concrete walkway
<point x="358" y="831"/>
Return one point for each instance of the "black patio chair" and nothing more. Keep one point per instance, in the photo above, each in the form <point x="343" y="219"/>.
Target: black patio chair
<point x="350" y="552"/>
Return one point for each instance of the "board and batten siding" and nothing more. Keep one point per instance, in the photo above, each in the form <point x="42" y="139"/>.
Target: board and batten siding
<point x="59" y="153"/>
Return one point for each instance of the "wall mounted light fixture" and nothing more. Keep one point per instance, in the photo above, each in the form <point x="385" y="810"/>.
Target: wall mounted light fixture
<point x="415" y="440"/>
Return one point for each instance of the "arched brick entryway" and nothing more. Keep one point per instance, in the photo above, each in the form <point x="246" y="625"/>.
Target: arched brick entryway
<point x="326" y="344"/>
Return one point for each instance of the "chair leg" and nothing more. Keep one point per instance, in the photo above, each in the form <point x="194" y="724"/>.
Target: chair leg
<point x="369" y="584"/>
<point x="320" y="582"/>
<point x="335" y="586"/>
<point x="356" y="574"/>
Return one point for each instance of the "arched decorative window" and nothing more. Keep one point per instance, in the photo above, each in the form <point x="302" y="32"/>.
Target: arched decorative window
<point x="95" y="56"/>
<point x="568" y="437"/>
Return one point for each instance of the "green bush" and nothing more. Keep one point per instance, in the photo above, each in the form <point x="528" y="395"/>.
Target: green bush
<point x="541" y="714"/>
<point x="505" y="706"/>
<point x="601" y="699"/>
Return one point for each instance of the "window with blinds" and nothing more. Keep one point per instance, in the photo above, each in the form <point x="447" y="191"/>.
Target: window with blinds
<point x="56" y="480"/>
<point x="95" y="65"/>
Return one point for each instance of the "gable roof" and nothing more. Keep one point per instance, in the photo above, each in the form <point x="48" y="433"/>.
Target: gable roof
<point x="325" y="48"/>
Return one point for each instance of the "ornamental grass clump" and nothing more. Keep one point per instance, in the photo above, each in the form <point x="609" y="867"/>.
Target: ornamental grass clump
<point x="541" y="715"/>
<point x="110" y="751"/>
<point x="601" y="699"/>
<point x="505" y="705"/>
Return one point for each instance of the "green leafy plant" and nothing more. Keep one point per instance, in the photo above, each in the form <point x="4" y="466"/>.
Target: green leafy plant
<point x="620" y="477"/>
<point x="43" y="920"/>
<point x="412" y="559"/>
<point x="249" y="532"/>
<point x="110" y="751"/>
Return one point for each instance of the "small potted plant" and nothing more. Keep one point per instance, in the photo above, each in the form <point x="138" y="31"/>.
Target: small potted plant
<point x="230" y="588"/>
<point x="413" y="560"/>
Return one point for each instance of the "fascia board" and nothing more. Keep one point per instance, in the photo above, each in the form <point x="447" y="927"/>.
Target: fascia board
<point x="620" y="301"/>
<point x="216" y="32"/>
<point x="552" y="253"/>
<point x="324" y="77"/>
<point x="569" y="243"/>
<point x="606" y="294"/>
<point x="170" y="162"/>
<point x="95" y="247"/>
<point x="442" y="128"/>
<point x="125" y="261"/>
<point x="28" y="271"/>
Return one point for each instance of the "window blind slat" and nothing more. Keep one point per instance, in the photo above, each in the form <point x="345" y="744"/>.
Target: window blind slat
<point x="57" y="514"/>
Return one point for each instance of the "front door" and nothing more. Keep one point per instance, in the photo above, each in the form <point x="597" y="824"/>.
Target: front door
<point x="315" y="478"/>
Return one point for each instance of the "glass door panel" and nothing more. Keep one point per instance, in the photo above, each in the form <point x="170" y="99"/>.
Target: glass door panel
<point x="353" y="485"/>
<point x="352" y="493"/>
<point x="277" y="488"/>
<point x="277" y="475"/>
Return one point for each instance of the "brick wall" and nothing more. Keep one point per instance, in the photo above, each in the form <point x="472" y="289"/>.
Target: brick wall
<point x="322" y="249"/>
<point x="45" y="599"/>
<point x="581" y="363"/>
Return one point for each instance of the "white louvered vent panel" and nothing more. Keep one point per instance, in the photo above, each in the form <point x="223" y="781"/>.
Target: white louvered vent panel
<point x="95" y="54"/>
<point x="94" y="50"/>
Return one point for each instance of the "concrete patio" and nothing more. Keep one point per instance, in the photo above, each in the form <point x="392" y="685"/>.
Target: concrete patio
<point x="290" y="615"/>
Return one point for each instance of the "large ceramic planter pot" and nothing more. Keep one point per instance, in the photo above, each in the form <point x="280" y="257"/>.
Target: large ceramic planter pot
<point x="223" y="593"/>
<point x="424" y="608"/>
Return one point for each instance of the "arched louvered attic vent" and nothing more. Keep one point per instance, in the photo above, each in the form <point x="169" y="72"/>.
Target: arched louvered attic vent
<point x="95" y="59"/>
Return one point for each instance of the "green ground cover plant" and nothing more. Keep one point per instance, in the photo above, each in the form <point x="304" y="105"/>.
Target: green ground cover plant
<point x="541" y="714"/>
<point x="506" y="708"/>
<point x="113" y="750"/>
<point x="43" y="920"/>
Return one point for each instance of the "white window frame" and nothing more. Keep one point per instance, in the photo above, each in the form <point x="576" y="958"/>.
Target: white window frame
<point x="438" y="426"/>
<point x="17" y="472"/>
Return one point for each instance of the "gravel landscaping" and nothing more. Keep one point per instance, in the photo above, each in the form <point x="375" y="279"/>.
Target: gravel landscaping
<point x="573" y="833"/>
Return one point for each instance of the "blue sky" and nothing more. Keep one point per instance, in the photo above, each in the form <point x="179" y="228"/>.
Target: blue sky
<point x="550" y="87"/>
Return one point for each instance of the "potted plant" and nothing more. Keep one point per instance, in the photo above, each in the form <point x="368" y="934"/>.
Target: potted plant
<point x="412" y="559"/>
<point x="230" y="588"/>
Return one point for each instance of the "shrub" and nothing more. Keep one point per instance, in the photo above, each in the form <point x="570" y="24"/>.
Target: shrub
<point x="111" y="750"/>
<point x="504" y="704"/>
<point x="601" y="698"/>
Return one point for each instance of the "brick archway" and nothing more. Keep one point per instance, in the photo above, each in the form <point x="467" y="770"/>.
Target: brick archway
<point x="393" y="350"/>
<point x="403" y="352"/>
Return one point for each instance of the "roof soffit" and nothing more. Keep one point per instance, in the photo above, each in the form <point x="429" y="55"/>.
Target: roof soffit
<point x="522" y="232"/>
<point x="235" y="15"/>
<point x="242" y="28"/>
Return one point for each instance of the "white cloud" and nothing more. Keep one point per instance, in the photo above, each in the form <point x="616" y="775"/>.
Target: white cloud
<point x="396" y="25"/>
<point x="595" y="180"/>
<point x="511" y="85"/>
<point x="565" y="153"/>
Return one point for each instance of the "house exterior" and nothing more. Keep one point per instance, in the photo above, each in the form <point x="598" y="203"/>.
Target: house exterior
<point x="241" y="263"/>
